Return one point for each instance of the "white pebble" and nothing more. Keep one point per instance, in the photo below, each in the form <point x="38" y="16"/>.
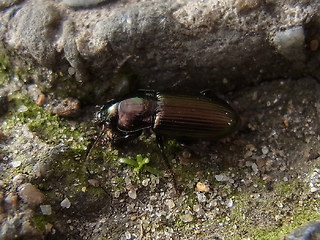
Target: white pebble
<point x="132" y="194"/>
<point x="265" y="150"/>
<point x="22" y="108"/>
<point x="145" y="182"/>
<point x="201" y="197"/>
<point x="196" y="208"/>
<point x="313" y="189"/>
<point x="186" y="218"/>
<point x="230" y="203"/>
<point x="221" y="178"/>
<point x="15" y="164"/>
<point x="128" y="235"/>
<point x="254" y="168"/>
<point x="290" y="43"/>
<point x="170" y="203"/>
<point x="65" y="203"/>
<point x="46" y="209"/>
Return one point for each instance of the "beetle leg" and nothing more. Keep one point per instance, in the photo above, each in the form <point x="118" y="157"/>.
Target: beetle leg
<point x="126" y="137"/>
<point x="161" y="148"/>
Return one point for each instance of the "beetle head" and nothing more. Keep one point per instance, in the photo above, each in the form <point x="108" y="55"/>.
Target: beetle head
<point x="106" y="115"/>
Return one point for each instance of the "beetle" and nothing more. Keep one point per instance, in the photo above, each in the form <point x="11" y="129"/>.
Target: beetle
<point x="179" y="116"/>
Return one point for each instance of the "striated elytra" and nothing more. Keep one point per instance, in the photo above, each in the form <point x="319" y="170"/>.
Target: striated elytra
<point x="178" y="116"/>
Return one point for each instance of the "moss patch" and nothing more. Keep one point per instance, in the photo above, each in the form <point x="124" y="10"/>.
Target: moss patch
<point x="47" y="126"/>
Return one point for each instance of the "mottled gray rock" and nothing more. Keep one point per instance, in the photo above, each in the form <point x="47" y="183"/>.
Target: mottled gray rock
<point x="8" y="3"/>
<point x="167" y="44"/>
<point x="33" y="30"/>
<point x="310" y="231"/>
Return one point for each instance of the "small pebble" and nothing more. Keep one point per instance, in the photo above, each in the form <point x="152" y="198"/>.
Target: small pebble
<point x="22" y="108"/>
<point x="65" y="203"/>
<point x="170" y="203"/>
<point x="133" y="218"/>
<point x="128" y="235"/>
<point x="18" y="179"/>
<point x="69" y="107"/>
<point x="230" y="203"/>
<point x="12" y="199"/>
<point x="186" y="218"/>
<point x="265" y="150"/>
<point x="15" y="164"/>
<point x="46" y="209"/>
<point x="30" y="194"/>
<point x="71" y="71"/>
<point x="221" y="178"/>
<point x="313" y="189"/>
<point x="254" y="168"/>
<point x="201" y="187"/>
<point x="94" y="182"/>
<point x="290" y="43"/>
<point x="196" y="208"/>
<point x="246" y="5"/>
<point x="41" y="99"/>
<point x="132" y="194"/>
<point x="145" y="182"/>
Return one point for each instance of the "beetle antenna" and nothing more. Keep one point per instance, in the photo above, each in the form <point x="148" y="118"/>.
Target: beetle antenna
<point x="160" y="145"/>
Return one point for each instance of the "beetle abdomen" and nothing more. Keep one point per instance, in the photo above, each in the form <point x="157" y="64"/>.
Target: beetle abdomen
<point x="193" y="117"/>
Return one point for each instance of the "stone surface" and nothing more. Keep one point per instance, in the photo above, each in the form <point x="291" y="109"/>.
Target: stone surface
<point x="165" y="44"/>
<point x="264" y="179"/>
<point x="30" y="194"/>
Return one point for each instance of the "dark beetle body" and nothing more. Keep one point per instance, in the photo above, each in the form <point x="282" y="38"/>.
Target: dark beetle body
<point x="170" y="115"/>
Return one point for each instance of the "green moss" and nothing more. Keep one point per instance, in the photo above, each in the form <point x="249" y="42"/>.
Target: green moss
<point x="140" y="163"/>
<point x="261" y="228"/>
<point x="40" y="221"/>
<point x="48" y="127"/>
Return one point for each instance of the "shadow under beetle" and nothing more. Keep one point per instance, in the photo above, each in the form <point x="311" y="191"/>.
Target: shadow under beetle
<point x="177" y="116"/>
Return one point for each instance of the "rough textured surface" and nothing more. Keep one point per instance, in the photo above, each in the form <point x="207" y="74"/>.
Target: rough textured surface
<point x="260" y="183"/>
<point x="166" y="44"/>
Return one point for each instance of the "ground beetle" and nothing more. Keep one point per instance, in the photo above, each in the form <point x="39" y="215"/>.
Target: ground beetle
<point x="178" y="116"/>
<point x="200" y="117"/>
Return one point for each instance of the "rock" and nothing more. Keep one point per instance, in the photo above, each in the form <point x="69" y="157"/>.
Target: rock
<point x="34" y="29"/>
<point x="69" y="107"/>
<point x="186" y="218"/>
<point x="30" y="194"/>
<point x="46" y="209"/>
<point x="65" y="203"/>
<point x="8" y="3"/>
<point x="165" y="43"/>
<point x="201" y="187"/>
<point x="290" y="43"/>
<point x="309" y="231"/>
